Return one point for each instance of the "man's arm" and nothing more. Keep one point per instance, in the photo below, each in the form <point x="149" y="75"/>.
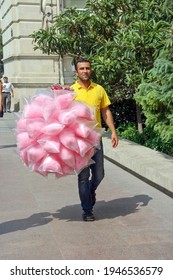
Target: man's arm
<point x="108" y="118"/>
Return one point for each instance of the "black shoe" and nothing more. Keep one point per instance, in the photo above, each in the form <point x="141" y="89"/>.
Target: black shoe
<point x="93" y="196"/>
<point x="88" y="216"/>
<point x="8" y="111"/>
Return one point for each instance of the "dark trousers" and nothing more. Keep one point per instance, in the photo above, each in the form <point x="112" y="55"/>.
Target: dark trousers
<point x="89" y="179"/>
<point x="6" y="101"/>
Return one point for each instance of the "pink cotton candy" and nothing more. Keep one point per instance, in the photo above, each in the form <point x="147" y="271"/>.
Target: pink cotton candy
<point x="67" y="156"/>
<point x="81" y="162"/>
<point x="67" y="169"/>
<point x="34" y="127"/>
<point x="90" y="153"/>
<point x="83" y="128"/>
<point x="21" y="125"/>
<point x="43" y="100"/>
<point x="94" y="138"/>
<point x="35" y="153"/>
<point x="84" y="146"/>
<point x="51" y="164"/>
<point x="24" y="156"/>
<point x="67" y="116"/>
<point x="57" y="134"/>
<point x="51" y="147"/>
<point x="83" y="110"/>
<point x="36" y="168"/>
<point x="64" y="100"/>
<point x="31" y="112"/>
<point x="46" y="103"/>
<point x="68" y="139"/>
<point x="53" y="128"/>
<point x="50" y="111"/>
<point x="50" y="144"/>
<point x="23" y="140"/>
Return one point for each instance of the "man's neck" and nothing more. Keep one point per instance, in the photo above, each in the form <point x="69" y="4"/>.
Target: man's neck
<point x="84" y="84"/>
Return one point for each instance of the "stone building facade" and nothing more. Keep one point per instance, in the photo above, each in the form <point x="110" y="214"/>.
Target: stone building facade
<point x="27" y="69"/>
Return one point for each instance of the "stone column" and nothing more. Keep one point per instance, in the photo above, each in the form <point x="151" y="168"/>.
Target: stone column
<point x="27" y="69"/>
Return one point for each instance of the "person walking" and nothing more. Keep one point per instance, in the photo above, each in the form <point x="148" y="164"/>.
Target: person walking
<point x="7" y="92"/>
<point x="93" y="94"/>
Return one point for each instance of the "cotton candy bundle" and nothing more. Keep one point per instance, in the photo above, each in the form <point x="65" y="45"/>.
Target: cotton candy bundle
<point x="57" y="134"/>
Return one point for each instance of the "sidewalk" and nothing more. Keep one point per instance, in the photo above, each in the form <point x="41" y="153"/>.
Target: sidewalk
<point x="151" y="166"/>
<point x="40" y="218"/>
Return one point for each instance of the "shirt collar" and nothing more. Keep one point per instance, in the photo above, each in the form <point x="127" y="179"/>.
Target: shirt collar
<point x="79" y="86"/>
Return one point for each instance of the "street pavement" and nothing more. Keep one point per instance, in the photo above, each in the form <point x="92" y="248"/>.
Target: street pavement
<point x="40" y="218"/>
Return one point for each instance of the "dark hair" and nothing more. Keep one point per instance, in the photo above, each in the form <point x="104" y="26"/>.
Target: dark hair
<point x="81" y="59"/>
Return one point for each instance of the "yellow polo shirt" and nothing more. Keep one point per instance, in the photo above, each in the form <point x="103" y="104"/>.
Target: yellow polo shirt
<point x="94" y="95"/>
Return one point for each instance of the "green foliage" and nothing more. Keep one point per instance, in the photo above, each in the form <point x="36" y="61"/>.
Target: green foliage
<point x="155" y="96"/>
<point x="130" y="132"/>
<point x="148" y="138"/>
<point x="122" y="37"/>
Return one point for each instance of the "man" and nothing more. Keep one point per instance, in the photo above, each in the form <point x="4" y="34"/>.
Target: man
<point x="7" y="92"/>
<point x="95" y="95"/>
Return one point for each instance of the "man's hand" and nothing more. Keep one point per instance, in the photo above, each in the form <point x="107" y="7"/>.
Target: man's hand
<point x="114" y="138"/>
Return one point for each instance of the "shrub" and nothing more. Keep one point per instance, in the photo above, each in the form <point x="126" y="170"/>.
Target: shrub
<point x="149" y="138"/>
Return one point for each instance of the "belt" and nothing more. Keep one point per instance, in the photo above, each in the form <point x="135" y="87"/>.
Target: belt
<point x="5" y="92"/>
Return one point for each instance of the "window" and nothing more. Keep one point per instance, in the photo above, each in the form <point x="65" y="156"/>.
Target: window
<point x="74" y="3"/>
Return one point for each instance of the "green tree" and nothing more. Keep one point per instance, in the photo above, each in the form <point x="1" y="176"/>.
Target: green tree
<point x="156" y="98"/>
<point x="155" y="93"/>
<point x="122" y="37"/>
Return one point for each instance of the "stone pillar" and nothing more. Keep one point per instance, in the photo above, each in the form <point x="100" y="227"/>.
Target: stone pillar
<point x="27" y="69"/>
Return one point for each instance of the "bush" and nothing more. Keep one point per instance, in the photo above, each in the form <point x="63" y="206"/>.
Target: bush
<point x="149" y="138"/>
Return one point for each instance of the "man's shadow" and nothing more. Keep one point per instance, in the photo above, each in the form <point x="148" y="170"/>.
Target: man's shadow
<point x="105" y="210"/>
<point x="34" y="220"/>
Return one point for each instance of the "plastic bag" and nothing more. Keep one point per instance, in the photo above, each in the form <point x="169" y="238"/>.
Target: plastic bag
<point x="56" y="134"/>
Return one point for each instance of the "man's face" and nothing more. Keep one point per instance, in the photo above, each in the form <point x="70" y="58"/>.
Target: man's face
<point x="83" y="71"/>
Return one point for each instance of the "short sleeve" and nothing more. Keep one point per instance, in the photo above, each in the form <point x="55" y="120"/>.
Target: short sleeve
<point x="105" y="101"/>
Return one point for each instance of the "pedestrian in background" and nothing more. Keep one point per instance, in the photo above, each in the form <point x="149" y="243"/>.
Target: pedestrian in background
<point x="7" y="93"/>
<point x="95" y="95"/>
